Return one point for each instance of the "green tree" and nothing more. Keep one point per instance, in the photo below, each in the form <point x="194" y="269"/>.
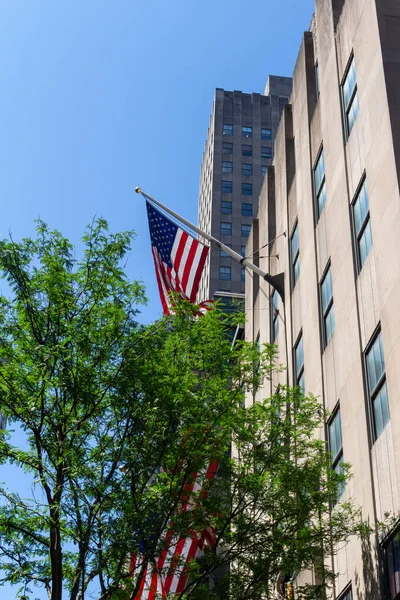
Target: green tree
<point x="117" y="418"/>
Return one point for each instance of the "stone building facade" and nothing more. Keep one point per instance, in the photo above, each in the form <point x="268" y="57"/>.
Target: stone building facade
<point x="330" y="211"/>
<point x="238" y="150"/>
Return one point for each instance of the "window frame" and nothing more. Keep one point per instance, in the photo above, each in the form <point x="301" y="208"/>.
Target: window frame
<point x="322" y="184"/>
<point x="228" y="185"/>
<point x="357" y="236"/>
<point x="247" y="189"/>
<point x="354" y="94"/>
<point x="247" y="131"/>
<point x="379" y="385"/>
<point x="345" y="594"/>
<point x="243" y="275"/>
<point x="298" y="374"/>
<point x="221" y="228"/>
<point x="224" y="209"/>
<point x="224" y="254"/>
<point x="266" y="136"/>
<point x="249" y="151"/>
<point x="226" y="149"/>
<point x="325" y="312"/>
<point x="225" y="270"/>
<point x="248" y="168"/>
<point x="274" y="312"/>
<point x="294" y="258"/>
<point x="268" y="154"/>
<point x="394" y="535"/>
<point x="264" y="167"/>
<point x="227" y="166"/>
<point x="247" y="214"/>
<point x="337" y="459"/>
<point x="226" y="130"/>
<point x="247" y="230"/>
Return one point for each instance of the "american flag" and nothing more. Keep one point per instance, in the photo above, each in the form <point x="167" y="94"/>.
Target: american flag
<point x="178" y="258"/>
<point x="167" y="576"/>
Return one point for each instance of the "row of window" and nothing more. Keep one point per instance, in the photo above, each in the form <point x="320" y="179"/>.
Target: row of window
<point x="225" y="273"/>
<point x="247" y="132"/>
<point x="242" y="250"/>
<point x="226" y="229"/>
<point x="247" y="150"/>
<point x="226" y="208"/>
<point x="227" y="187"/>
<point x="247" y="168"/>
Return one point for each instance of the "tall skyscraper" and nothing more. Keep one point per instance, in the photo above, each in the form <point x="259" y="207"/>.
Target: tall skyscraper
<point x="334" y="191"/>
<point x="238" y="150"/>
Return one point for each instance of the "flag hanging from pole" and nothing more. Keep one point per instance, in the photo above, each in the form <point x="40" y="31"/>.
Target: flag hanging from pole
<point x="178" y="259"/>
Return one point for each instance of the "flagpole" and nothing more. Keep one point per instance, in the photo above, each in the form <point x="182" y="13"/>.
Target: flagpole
<point x="276" y="281"/>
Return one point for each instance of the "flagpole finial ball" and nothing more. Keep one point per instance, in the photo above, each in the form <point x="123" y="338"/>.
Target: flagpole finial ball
<point x="138" y="190"/>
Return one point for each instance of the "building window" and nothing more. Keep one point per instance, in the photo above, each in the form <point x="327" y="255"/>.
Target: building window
<point x="226" y="207"/>
<point x="224" y="254"/>
<point x="228" y="130"/>
<point x="319" y="184"/>
<point x="266" y="152"/>
<point x="392" y="566"/>
<point x="225" y="273"/>
<point x="274" y="316"/>
<point x="263" y="170"/>
<point x="247" y="169"/>
<point x="247" y="132"/>
<point x="336" y="447"/>
<point x="362" y="225"/>
<point x="295" y="255"/>
<point x="348" y="595"/>
<point x="227" y="166"/>
<point x="265" y="134"/>
<point x="377" y="389"/>
<point x="227" y="187"/>
<point x="247" y="189"/>
<point x="350" y="97"/>
<point x="247" y="150"/>
<point x="246" y="230"/>
<point x="243" y="250"/>
<point x="247" y="209"/>
<point x="243" y="275"/>
<point x="316" y="75"/>
<point x="328" y="316"/>
<point x="226" y="228"/>
<point x="227" y="147"/>
<point x="299" y="363"/>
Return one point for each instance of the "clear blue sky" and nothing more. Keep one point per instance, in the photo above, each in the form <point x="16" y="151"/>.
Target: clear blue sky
<point x="97" y="97"/>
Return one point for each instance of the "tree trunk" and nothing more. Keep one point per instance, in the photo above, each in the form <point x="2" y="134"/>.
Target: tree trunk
<point x="55" y="555"/>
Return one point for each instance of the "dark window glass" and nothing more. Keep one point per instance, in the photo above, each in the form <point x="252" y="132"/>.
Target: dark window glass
<point x="274" y="316"/>
<point x="266" y="152"/>
<point x="247" y="150"/>
<point x="265" y="134"/>
<point x="227" y="130"/>
<point x="247" y="189"/>
<point x="377" y="388"/>
<point x="316" y="73"/>
<point x="226" y="228"/>
<point x="227" y="187"/>
<point x="350" y="97"/>
<point x="319" y="184"/>
<point x="348" y="595"/>
<point x="328" y="316"/>
<point x="336" y="446"/>
<point x="243" y="275"/>
<point x="294" y="255"/>
<point x="263" y="170"/>
<point x="226" y="207"/>
<point x="392" y="564"/>
<point x="246" y="230"/>
<point x="227" y="166"/>
<point x="225" y="273"/>
<point x="299" y="363"/>
<point x="362" y="225"/>
<point x="247" y="209"/>
<point x="243" y="250"/>
<point x="247" y="131"/>
<point x="223" y="253"/>
<point x="247" y="169"/>
<point x="227" y="147"/>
